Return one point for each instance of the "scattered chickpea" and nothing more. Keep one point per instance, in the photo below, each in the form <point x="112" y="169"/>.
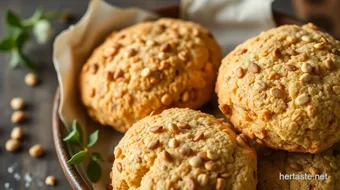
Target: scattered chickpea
<point x="17" y="103"/>
<point x="50" y="180"/>
<point x="36" y="150"/>
<point x="31" y="79"/>
<point x="16" y="133"/>
<point x="17" y="117"/>
<point x="12" y="145"/>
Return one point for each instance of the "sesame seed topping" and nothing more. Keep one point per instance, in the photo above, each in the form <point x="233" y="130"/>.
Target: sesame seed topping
<point x="173" y="128"/>
<point x="329" y="64"/>
<point x="239" y="72"/>
<point x="190" y="183"/>
<point x="291" y="39"/>
<point x="94" y="68"/>
<point x="195" y="161"/>
<point x="212" y="155"/>
<point x="302" y="99"/>
<point x="306" y="68"/>
<point x="166" y="99"/>
<point x="198" y="136"/>
<point x="165" y="155"/>
<point x="313" y="171"/>
<point x="173" y="143"/>
<point x="290" y="67"/>
<point x="203" y="155"/>
<point x="156" y="129"/>
<point x="153" y="144"/>
<point x="130" y="52"/>
<point x="210" y="165"/>
<point x="185" y="151"/>
<point x="306" y="77"/>
<point x="254" y="68"/>
<point x="318" y="46"/>
<point x="185" y="96"/>
<point x="260" y="85"/>
<point x="277" y="93"/>
<point x="306" y="38"/>
<point x="220" y="183"/>
<point x="203" y="179"/>
<point x="119" y="167"/>
<point x="296" y="166"/>
<point x="146" y="72"/>
<point x="182" y="125"/>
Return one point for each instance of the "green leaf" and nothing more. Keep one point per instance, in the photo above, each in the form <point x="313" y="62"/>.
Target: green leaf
<point x="15" y="58"/>
<point x="77" y="127"/>
<point x="78" y="157"/>
<point x="73" y="137"/>
<point x="13" y="19"/>
<point x="93" y="171"/>
<point x="96" y="156"/>
<point x="27" y="62"/>
<point x="92" y="139"/>
<point x="7" y="44"/>
<point x="21" y="39"/>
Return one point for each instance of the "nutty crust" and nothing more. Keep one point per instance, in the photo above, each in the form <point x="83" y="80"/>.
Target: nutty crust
<point x="272" y="163"/>
<point x="282" y="88"/>
<point x="183" y="149"/>
<point x="149" y="67"/>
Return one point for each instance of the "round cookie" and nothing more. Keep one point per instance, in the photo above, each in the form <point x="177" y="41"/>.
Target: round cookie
<point x="149" y="67"/>
<point x="282" y="88"/>
<point x="183" y="149"/>
<point x="319" y="171"/>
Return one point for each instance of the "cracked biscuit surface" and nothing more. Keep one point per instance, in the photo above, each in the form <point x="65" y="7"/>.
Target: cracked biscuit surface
<point x="149" y="67"/>
<point x="183" y="149"/>
<point x="282" y="88"/>
<point x="322" y="169"/>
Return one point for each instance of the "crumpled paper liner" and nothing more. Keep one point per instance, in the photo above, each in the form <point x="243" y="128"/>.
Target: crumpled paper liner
<point x="231" y="22"/>
<point x="71" y="50"/>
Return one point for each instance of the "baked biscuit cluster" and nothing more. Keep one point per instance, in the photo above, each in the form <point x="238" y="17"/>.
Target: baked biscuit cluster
<point x="147" y="68"/>
<point x="183" y="149"/>
<point x="282" y="88"/>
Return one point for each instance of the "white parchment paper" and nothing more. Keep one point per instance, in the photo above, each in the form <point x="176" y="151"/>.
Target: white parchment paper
<point x="231" y="21"/>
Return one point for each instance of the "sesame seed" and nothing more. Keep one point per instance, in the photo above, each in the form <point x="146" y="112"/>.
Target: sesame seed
<point x="203" y="179"/>
<point x="254" y="68"/>
<point x="212" y="155"/>
<point x="165" y="47"/>
<point x="306" y="38"/>
<point x="226" y="175"/>
<point x="290" y="67"/>
<point x="318" y="46"/>
<point x="329" y="64"/>
<point x="210" y="165"/>
<point x="150" y="43"/>
<point x="153" y="144"/>
<point x="296" y="166"/>
<point x="173" y="128"/>
<point x="291" y="39"/>
<point x="302" y="99"/>
<point x="313" y="171"/>
<point x="240" y="141"/>
<point x="195" y="161"/>
<point x="185" y="151"/>
<point x="173" y="143"/>
<point x="306" y="68"/>
<point x="259" y="85"/>
<point x="146" y="72"/>
<point x="306" y="77"/>
<point x="239" y="72"/>
<point x="203" y="155"/>
<point x="119" y="167"/>
<point x="166" y="99"/>
<point x="183" y="55"/>
<point x="182" y="125"/>
<point x="198" y="136"/>
<point x="118" y="152"/>
<point x="277" y="93"/>
<point x="156" y="129"/>
<point x="190" y="183"/>
<point x="185" y="96"/>
<point x="220" y="183"/>
<point x="165" y="155"/>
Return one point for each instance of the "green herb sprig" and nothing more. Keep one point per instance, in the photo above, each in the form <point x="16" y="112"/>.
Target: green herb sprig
<point x="75" y="137"/>
<point x="18" y="33"/>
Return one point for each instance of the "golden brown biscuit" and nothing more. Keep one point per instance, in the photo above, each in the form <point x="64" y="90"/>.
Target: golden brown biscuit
<point x="183" y="149"/>
<point x="282" y="88"/>
<point x="149" y="67"/>
<point x="281" y="170"/>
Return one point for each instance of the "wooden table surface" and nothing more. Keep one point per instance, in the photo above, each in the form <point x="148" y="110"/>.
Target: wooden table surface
<point x="37" y="127"/>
